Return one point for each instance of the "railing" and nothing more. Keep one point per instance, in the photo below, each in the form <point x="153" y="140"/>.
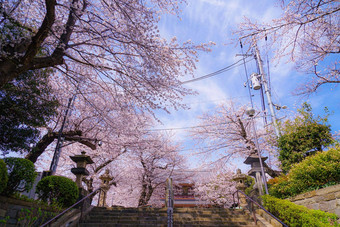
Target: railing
<point x="65" y="211"/>
<point x="170" y="202"/>
<point x="251" y="208"/>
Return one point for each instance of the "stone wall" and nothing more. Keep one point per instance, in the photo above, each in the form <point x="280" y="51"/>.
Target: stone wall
<point x="325" y="199"/>
<point x="15" y="212"/>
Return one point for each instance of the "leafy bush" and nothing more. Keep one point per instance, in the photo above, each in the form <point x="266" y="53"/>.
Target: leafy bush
<point x="297" y="215"/>
<point x="21" y="175"/>
<point x="3" y="175"/>
<point x="322" y="169"/>
<point x="58" y="189"/>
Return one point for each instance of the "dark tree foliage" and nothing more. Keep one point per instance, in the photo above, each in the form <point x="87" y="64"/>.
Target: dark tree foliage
<point x="3" y="175"/>
<point x="25" y="104"/>
<point x="303" y="136"/>
<point x="21" y="175"/>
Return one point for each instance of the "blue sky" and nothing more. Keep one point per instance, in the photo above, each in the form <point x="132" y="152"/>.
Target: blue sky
<point x="215" y="20"/>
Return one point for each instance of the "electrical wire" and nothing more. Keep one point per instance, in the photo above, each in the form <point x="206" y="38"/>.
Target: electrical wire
<point x="215" y="100"/>
<point x="188" y="127"/>
<point x="263" y="105"/>
<point x="268" y="71"/>
<point x="246" y="75"/>
<point x="225" y="69"/>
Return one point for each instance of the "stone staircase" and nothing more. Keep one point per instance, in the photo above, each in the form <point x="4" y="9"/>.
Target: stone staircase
<point x="186" y="217"/>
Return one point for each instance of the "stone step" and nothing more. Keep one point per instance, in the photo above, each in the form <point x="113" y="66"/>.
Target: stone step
<point x="131" y="212"/>
<point x="118" y="225"/>
<point x="164" y="209"/>
<point x="114" y="214"/>
<point x="165" y="225"/>
<point x="186" y="217"/>
<point x="177" y="218"/>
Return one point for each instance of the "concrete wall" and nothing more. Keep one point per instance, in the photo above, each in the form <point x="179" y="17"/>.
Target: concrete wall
<point x="31" y="194"/>
<point x="325" y="199"/>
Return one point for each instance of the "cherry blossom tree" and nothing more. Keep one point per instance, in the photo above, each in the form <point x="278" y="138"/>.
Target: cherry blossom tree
<point x="307" y="33"/>
<point x="228" y="129"/>
<point x="228" y="133"/>
<point x="145" y="169"/>
<point x="139" y="163"/>
<point x="216" y="187"/>
<point x="115" y="42"/>
<point x="115" y="124"/>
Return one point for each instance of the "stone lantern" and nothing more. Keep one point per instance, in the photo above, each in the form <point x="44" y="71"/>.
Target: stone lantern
<point x="105" y="186"/>
<point x="240" y="178"/>
<point x="255" y="171"/>
<point x="80" y="171"/>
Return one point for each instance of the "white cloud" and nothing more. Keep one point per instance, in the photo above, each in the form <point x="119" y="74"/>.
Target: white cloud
<point x="214" y="20"/>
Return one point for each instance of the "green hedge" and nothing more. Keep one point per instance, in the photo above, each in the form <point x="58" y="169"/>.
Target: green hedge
<point x="58" y="190"/>
<point x="3" y="175"/>
<point x="317" y="171"/>
<point x="21" y="175"/>
<point x="296" y="215"/>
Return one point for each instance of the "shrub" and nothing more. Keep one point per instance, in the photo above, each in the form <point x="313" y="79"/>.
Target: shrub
<point x="58" y="189"/>
<point x="304" y="135"/>
<point x="297" y="215"/>
<point x="3" y="175"/>
<point x="249" y="182"/>
<point x="21" y="175"/>
<point x="280" y="187"/>
<point x="317" y="170"/>
<point x="320" y="170"/>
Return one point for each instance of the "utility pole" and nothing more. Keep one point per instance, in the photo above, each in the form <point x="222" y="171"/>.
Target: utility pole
<point x="57" y="151"/>
<point x="266" y="89"/>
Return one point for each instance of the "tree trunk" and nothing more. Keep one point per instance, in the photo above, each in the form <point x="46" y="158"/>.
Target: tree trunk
<point x="47" y="139"/>
<point x="142" y="197"/>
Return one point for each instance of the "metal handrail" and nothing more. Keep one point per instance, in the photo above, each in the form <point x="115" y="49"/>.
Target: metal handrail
<point x="170" y="203"/>
<point x="254" y="202"/>
<point x="62" y="213"/>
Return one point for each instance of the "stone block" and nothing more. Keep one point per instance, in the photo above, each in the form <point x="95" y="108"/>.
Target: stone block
<point x="298" y="197"/>
<point x="300" y="202"/>
<point x="337" y="195"/>
<point x="2" y="213"/>
<point x="309" y="194"/>
<point x="315" y="206"/>
<point x="12" y="213"/>
<point x="275" y="223"/>
<point x="329" y="205"/>
<point x="331" y="189"/>
<point x="12" y="221"/>
<point x="337" y="212"/>
<point x="319" y="199"/>
<point x="308" y="201"/>
<point x="328" y="197"/>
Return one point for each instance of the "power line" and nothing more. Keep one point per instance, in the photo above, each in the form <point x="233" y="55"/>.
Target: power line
<point x="216" y="100"/>
<point x="234" y="65"/>
<point x="188" y="127"/>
